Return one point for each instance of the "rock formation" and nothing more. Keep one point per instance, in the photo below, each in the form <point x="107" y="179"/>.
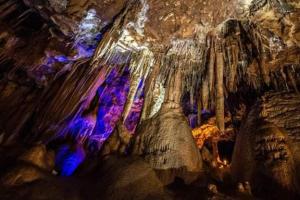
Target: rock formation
<point x="165" y="141"/>
<point x="266" y="147"/>
<point x="125" y="178"/>
<point x="33" y="165"/>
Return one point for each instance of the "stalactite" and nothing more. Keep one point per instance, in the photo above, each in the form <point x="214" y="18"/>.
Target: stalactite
<point x="189" y="56"/>
<point x="274" y="81"/>
<point x="8" y="8"/>
<point x="283" y="75"/>
<point x="205" y="95"/>
<point x="174" y="89"/>
<point x="140" y="70"/>
<point x="228" y="69"/>
<point x="199" y="111"/>
<point x="257" y="5"/>
<point x="149" y="89"/>
<point x="282" y="6"/>
<point x="253" y="76"/>
<point x="292" y="79"/>
<point x="265" y="71"/>
<point x="220" y="88"/>
<point x="232" y="53"/>
<point x="158" y="95"/>
<point x="77" y="96"/>
<point x="134" y="84"/>
<point x="211" y="68"/>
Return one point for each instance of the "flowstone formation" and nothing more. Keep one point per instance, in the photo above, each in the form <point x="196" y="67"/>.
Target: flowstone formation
<point x="267" y="145"/>
<point x="165" y="140"/>
<point x="86" y="80"/>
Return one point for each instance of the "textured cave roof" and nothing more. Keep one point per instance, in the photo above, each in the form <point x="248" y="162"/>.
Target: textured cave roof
<point x="248" y="49"/>
<point x="175" y="19"/>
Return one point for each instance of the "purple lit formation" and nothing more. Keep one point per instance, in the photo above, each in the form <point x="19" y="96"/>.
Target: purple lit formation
<point x="87" y="132"/>
<point x="91" y="129"/>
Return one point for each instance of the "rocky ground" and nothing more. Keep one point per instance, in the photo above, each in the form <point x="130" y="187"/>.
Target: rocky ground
<point x="114" y="177"/>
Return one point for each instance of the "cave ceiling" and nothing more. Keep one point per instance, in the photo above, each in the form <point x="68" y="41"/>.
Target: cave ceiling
<point x="165" y="21"/>
<point x="252" y="44"/>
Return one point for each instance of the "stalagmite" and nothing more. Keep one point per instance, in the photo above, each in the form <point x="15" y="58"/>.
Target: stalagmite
<point x="165" y="140"/>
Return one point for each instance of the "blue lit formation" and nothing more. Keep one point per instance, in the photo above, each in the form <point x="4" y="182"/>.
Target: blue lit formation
<point x="113" y="94"/>
<point x="135" y="112"/>
<point x="68" y="158"/>
<point x="88" y="131"/>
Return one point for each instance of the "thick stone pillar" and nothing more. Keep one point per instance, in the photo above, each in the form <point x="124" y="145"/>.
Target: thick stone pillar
<point x="165" y="141"/>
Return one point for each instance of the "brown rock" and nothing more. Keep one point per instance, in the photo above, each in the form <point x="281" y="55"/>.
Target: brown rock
<point x="129" y="178"/>
<point x="33" y="165"/>
<point x="117" y="142"/>
<point x="21" y="174"/>
<point x="40" y="157"/>
<point x="265" y="154"/>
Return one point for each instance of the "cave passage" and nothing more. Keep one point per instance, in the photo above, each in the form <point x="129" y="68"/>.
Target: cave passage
<point x="225" y="149"/>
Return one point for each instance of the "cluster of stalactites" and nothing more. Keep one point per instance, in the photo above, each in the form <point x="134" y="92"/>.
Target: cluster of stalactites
<point x="235" y="53"/>
<point x="245" y="55"/>
<point x="119" y="50"/>
<point x="281" y="5"/>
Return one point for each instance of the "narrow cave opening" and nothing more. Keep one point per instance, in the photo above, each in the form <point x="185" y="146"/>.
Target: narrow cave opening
<point x="225" y="149"/>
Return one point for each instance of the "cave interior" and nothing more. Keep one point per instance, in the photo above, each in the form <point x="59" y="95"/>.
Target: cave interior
<point x="149" y="99"/>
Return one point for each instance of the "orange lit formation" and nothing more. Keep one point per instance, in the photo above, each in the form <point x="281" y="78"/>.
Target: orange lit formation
<point x="212" y="134"/>
<point x="205" y="132"/>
